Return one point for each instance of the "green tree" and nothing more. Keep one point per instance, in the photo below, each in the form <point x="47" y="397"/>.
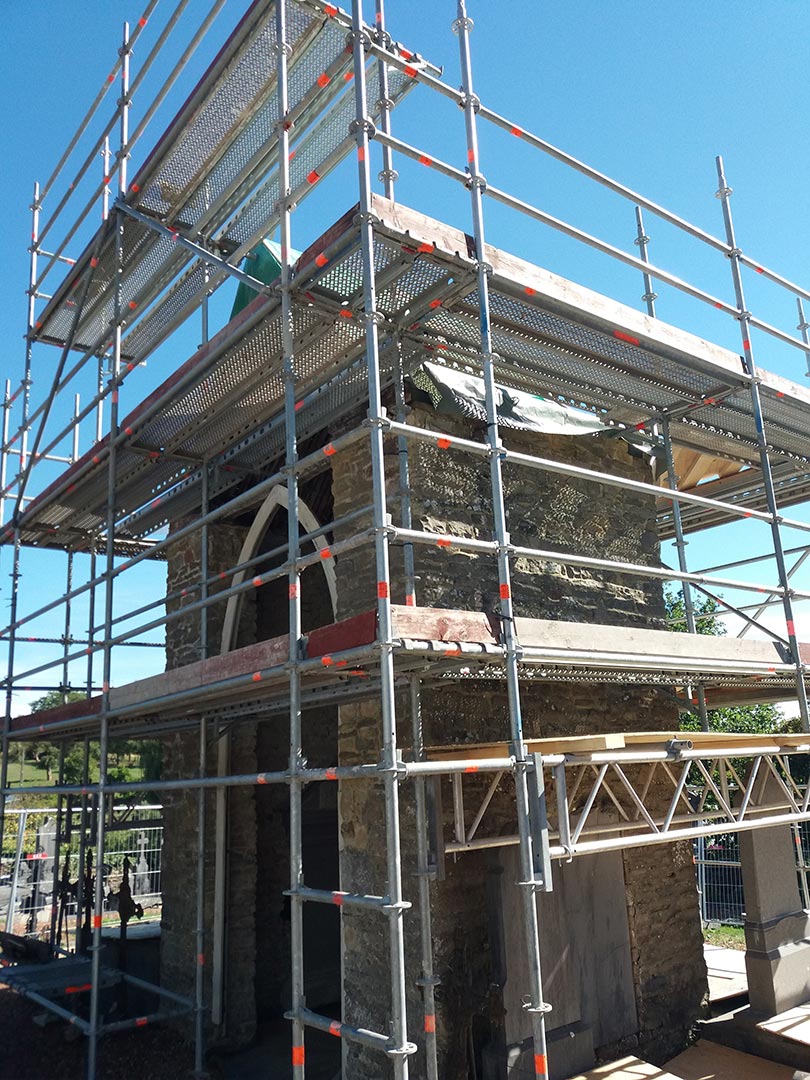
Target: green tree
<point x="706" y="611"/>
<point x="748" y="719"/>
<point x="54" y="698"/>
<point x="46" y="754"/>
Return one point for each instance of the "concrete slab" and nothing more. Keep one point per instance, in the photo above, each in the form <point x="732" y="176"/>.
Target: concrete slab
<point x="726" y="971"/>
<point x="793" y="1024"/>
<point x="711" y="1061"/>
<point x="628" y="1068"/>
<point x="784" y="1038"/>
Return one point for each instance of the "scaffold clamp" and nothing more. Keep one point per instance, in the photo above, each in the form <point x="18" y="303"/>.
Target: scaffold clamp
<point x="472" y="99"/>
<point x="360" y="35"/>
<point x="428" y="980"/>
<point x="542" y="1007"/>
<point x="400" y="905"/>
<point x="365" y="124"/>
<point x="406" y="1050"/>
<point x="477" y="180"/>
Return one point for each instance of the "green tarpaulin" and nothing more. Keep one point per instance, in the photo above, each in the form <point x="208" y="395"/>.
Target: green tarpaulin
<point x="264" y="264"/>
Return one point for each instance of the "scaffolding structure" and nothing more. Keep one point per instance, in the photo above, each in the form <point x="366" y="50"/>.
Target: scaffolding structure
<point x="299" y="87"/>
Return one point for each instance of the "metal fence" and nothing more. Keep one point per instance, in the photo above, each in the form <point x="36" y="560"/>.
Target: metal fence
<point x="719" y="874"/>
<point x="30" y="874"/>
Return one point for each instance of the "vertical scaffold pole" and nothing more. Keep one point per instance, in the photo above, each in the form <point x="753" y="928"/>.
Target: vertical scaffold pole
<point x="204" y="534"/>
<point x="406" y="517"/>
<point x="57" y="857"/>
<point x="388" y="176"/>
<point x="680" y="544"/>
<point x="66" y="640"/>
<point x="98" y="899"/>
<point x="802" y="326"/>
<point x="16" y="544"/>
<point x="642" y="241"/>
<point x="4" y="449"/>
<point x="294" y="578"/>
<point x="105" y="213"/>
<point x="427" y="980"/>
<point x="744" y="318"/>
<point x="362" y="127"/>
<point x="199" y="977"/>
<point x="36" y="206"/>
<point x="528" y="886"/>
<point x="91" y="618"/>
<point x="84" y="806"/>
<point x="84" y="819"/>
<point x="67" y="636"/>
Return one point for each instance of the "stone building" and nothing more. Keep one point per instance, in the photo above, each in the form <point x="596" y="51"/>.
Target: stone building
<point x="620" y="935"/>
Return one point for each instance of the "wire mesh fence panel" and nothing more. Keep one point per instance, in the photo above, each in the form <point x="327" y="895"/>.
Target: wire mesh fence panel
<point x="801" y="837"/>
<point x="40" y="878"/>
<point x="719" y="874"/>
<point x="719" y="878"/>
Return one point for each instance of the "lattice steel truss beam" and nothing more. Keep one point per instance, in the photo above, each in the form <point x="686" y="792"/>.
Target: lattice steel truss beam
<point x="662" y="793"/>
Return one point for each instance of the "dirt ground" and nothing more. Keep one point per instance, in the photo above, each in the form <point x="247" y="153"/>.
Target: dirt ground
<point x="57" y="1052"/>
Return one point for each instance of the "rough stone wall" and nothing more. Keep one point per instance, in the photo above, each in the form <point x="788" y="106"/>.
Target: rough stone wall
<point x="180" y="758"/>
<point x="450" y="493"/>
<point x="257" y="938"/>
<point x="319" y="745"/>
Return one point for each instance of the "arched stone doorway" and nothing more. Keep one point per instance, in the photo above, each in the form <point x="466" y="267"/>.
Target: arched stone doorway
<point x="259" y="615"/>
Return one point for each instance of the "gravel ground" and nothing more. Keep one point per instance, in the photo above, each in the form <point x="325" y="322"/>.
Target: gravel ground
<point x="57" y="1052"/>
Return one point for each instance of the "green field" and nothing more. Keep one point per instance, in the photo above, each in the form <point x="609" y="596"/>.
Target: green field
<point x="725" y="937"/>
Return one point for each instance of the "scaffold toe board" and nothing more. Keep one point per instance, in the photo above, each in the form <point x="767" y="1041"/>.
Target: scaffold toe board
<point x="613" y="743"/>
<point x="463" y="644"/>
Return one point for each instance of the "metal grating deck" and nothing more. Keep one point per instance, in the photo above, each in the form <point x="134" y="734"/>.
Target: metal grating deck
<point x="213" y="179"/>
<point x="224" y="405"/>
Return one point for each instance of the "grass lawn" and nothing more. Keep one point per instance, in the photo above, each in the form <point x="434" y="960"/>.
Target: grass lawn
<point x="725" y="937"/>
<point x="31" y="774"/>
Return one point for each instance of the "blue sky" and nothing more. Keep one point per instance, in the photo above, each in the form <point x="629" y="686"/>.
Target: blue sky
<point x="647" y="93"/>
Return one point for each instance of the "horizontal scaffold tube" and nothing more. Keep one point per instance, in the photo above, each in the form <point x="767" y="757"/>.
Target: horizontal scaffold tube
<point x="198" y="605"/>
<point x="468" y="766"/>
<point x="344" y="1031"/>
<point x="241" y="502"/>
<point x="417" y="154"/>
<point x="531" y="461"/>
<point x="448" y="540"/>
<point x="457" y="96"/>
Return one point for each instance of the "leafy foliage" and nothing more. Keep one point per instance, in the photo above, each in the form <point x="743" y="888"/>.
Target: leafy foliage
<point x="129" y="760"/>
<point x="760" y="719"/>
<point x="748" y="719"/>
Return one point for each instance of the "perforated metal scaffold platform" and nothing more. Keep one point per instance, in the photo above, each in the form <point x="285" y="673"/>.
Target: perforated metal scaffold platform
<point x="225" y="404"/>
